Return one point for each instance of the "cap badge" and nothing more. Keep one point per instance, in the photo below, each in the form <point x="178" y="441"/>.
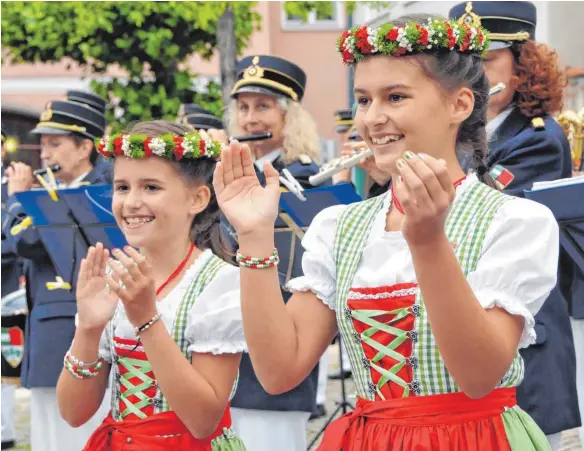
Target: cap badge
<point x="469" y="18"/>
<point x="254" y="71"/>
<point x="47" y="114"/>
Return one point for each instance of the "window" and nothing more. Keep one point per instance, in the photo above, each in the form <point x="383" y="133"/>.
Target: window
<point x="319" y="19"/>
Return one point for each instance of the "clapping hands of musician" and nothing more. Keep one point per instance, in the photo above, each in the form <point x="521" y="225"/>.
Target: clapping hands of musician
<point x="20" y="178"/>
<point x="249" y="207"/>
<point x="425" y="192"/>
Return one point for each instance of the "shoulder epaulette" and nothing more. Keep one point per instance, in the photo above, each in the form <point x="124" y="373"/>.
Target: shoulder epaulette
<point x="538" y="123"/>
<point x="304" y="159"/>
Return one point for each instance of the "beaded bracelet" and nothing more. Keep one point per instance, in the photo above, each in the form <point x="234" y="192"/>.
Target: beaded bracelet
<point x="258" y="263"/>
<point x="80" y="369"/>
<point x="138" y="330"/>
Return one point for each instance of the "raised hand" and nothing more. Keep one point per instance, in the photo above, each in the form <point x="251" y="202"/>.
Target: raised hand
<point x="20" y="178"/>
<point x="95" y="303"/>
<point x="138" y="293"/>
<point x="425" y="192"/>
<point x="247" y="205"/>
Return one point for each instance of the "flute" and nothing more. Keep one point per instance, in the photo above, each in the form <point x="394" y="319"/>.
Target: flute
<point x="496" y="89"/>
<point x="41" y="172"/>
<point x="338" y="164"/>
<point x="248" y="138"/>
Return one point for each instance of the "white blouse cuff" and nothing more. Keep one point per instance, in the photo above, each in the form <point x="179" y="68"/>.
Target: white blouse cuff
<point x="499" y="298"/>
<point x="326" y="294"/>
<point x="216" y="347"/>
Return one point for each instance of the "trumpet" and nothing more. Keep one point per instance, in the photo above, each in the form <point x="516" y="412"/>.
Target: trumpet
<point x="573" y="125"/>
<point x="338" y="164"/>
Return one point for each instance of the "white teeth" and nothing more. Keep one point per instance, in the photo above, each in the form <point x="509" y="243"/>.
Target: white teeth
<point x="138" y="220"/>
<point x="386" y="139"/>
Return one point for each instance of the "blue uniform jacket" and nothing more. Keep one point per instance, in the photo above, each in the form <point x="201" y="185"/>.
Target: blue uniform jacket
<point x="50" y="324"/>
<point x="250" y="394"/>
<point x="548" y="392"/>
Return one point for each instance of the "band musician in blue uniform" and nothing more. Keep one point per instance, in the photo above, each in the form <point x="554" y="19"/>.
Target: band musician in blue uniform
<point x="527" y="145"/>
<point x="67" y="129"/>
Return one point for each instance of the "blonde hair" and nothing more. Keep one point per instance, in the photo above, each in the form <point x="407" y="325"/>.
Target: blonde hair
<point x="300" y="134"/>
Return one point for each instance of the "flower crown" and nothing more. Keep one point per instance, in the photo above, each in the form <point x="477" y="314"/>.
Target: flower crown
<point x="169" y="146"/>
<point x="412" y="38"/>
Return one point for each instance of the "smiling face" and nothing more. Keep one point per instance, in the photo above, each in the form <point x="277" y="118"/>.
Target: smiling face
<point x="400" y="109"/>
<point x="260" y="113"/>
<point x="153" y="202"/>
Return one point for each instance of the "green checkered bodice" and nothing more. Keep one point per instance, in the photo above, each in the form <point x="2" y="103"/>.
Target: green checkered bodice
<point x="466" y="227"/>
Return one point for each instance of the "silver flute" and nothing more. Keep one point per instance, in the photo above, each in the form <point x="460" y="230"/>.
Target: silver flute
<point x="338" y="164"/>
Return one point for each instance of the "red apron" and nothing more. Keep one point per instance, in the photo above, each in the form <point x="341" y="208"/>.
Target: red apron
<point x="159" y="432"/>
<point x="447" y="422"/>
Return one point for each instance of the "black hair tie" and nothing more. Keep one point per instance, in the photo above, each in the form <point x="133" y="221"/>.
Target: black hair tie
<point x="481" y="170"/>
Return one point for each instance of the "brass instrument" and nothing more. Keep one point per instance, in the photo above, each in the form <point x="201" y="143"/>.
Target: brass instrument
<point x="573" y="125"/>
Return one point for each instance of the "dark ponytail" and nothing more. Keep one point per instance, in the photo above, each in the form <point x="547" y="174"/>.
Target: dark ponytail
<point x="206" y="231"/>
<point x="452" y="70"/>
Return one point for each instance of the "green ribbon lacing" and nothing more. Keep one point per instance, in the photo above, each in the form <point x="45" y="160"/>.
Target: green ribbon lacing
<point x="136" y="368"/>
<point x="367" y="317"/>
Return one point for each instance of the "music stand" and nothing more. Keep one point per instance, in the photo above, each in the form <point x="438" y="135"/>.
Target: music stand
<point x="68" y="226"/>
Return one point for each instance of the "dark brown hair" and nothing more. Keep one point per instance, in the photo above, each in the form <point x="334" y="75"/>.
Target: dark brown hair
<point x="541" y="80"/>
<point x="206" y="230"/>
<point x="78" y="139"/>
<point x="451" y="70"/>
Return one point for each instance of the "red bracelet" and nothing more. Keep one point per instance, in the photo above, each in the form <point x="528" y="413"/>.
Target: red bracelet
<point x="258" y="263"/>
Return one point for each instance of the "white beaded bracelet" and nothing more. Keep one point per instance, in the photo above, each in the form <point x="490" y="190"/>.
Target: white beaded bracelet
<point x="143" y="327"/>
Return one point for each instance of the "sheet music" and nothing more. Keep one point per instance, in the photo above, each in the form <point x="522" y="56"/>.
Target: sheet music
<point x="556" y="183"/>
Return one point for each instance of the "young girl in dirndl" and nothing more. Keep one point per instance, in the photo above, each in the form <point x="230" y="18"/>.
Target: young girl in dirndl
<point x="166" y="319"/>
<point x="433" y="286"/>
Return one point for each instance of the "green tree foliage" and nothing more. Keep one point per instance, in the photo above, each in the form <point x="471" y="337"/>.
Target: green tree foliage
<point x="325" y="9"/>
<point x="150" y="41"/>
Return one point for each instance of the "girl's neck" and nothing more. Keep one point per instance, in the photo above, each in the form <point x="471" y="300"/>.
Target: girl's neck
<point x="165" y="259"/>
